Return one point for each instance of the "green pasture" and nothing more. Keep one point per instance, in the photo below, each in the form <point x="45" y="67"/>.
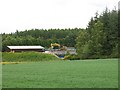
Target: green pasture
<point x="27" y="57"/>
<point x="99" y="73"/>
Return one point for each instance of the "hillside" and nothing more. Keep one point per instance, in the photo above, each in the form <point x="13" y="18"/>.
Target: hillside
<point x="27" y="56"/>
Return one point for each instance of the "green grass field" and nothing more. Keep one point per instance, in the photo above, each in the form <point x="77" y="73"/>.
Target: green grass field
<point x="27" y="57"/>
<point x="101" y="73"/>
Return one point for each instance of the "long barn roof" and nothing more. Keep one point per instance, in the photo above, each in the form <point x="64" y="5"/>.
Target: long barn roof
<point x="25" y="47"/>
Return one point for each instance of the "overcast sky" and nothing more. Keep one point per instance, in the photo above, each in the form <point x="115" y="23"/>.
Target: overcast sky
<point x="30" y="14"/>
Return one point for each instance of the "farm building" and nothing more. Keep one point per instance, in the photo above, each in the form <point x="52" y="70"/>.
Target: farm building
<point x="71" y="50"/>
<point x="26" y="48"/>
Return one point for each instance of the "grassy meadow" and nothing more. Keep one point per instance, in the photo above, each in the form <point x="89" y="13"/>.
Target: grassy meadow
<point x="27" y="57"/>
<point x="100" y="73"/>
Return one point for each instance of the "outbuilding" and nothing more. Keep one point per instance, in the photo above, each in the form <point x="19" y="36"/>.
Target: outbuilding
<point x="26" y="48"/>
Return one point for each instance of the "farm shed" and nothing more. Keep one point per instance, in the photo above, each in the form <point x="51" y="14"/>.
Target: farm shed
<point x="26" y="48"/>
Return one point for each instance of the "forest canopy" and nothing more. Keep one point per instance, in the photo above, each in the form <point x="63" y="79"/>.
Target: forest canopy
<point x="65" y="37"/>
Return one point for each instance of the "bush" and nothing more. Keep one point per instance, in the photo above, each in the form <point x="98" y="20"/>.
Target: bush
<point x="71" y="57"/>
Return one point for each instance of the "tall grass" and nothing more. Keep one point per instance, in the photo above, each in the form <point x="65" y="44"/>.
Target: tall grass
<point x="27" y="56"/>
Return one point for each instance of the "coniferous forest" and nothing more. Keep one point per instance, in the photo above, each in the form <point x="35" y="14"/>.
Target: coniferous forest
<point x="98" y="40"/>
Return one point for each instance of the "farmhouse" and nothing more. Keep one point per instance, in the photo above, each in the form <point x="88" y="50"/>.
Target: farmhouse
<point x="26" y="48"/>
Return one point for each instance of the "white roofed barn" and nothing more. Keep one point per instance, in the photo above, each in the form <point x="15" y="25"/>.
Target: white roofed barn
<point x="26" y="48"/>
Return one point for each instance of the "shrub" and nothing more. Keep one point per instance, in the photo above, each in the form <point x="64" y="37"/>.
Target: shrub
<point x="71" y="57"/>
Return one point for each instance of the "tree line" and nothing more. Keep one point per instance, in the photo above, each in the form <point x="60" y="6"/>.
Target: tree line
<point x="65" y="37"/>
<point x="98" y="40"/>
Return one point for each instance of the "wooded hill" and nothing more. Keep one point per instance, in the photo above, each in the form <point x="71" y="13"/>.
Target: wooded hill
<point x="41" y="37"/>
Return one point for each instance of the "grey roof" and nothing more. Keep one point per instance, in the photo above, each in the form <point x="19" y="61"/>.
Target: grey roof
<point x="25" y="47"/>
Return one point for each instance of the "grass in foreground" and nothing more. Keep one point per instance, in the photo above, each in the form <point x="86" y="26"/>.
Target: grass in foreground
<point x="62" y="74"/>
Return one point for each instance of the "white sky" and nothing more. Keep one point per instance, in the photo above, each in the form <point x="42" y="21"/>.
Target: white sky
<point x="30" y="14"/>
